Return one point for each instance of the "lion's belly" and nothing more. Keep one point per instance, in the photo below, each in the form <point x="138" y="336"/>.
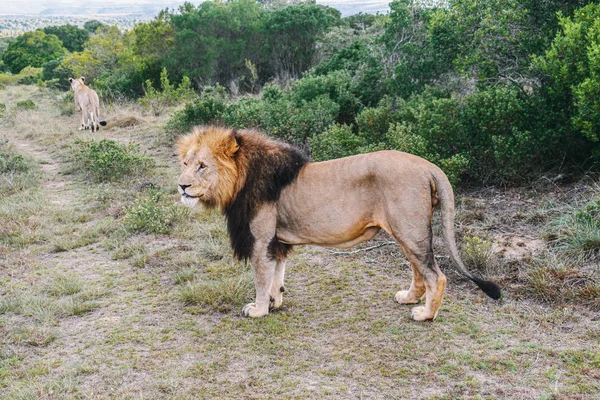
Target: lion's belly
<point x="327" y="219"/>
<point x="345" y="239"/>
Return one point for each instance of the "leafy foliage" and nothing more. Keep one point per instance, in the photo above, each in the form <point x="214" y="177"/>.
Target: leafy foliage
<point x="93" y="25"/>
<point x="493" y="92"/>
<point x="72" y="37"/>
<point x="32" y="49"/>
<point x="148" y="214"/>
<point x="157" y="101"/>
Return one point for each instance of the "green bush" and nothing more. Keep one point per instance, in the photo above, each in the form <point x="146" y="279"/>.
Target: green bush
<point x="208" y="108"/>
<point x="107" y="161"/>
<point x="149" y="214"/>
<point x="245" y="113"/>
<point x="156" y="101"/>
<point x="298" y="123"/>
<point x="336" y="142"/>
<point x="337" y="86"/>
<point x="26" y="105"/>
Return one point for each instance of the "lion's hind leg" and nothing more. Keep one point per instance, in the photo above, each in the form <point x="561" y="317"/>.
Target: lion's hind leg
<point x="428" y="279"/>
<point x="416" y="291"/>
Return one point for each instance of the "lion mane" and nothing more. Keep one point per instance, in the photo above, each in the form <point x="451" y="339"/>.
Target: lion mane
<point x="260" y="169"/>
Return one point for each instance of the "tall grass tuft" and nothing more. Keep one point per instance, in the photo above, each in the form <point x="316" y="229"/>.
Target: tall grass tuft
<point x="221" y="294"/>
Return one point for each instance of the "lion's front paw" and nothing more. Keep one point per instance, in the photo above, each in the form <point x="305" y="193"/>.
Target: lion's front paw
<point x="251" y="310"/>
<point x="421" y="314"/>
<point x="405" y="297"/>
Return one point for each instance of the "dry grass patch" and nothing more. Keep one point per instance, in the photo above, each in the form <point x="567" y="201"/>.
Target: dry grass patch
<point x="126" y="121"/>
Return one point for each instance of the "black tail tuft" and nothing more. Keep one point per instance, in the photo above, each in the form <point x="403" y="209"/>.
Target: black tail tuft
<point x="489" y="288"/>
<point x="103" y="123"/>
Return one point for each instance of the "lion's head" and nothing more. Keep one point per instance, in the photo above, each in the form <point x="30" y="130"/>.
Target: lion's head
<point x="209" y="171"/>
<point x="76" y="83"/>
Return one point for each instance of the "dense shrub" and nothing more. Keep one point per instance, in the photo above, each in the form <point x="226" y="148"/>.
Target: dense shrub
<point x="245" y="113"/>
<point x="337" y="141"/>
<point x="209" y="107"/>
<point x="106" y="160"/>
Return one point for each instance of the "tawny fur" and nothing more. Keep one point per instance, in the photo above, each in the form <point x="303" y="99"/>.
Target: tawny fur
<point x="88" y="103"/>
<point x="274" y="198"/>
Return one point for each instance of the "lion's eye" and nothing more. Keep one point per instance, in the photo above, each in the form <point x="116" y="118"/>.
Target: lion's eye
<point x="185" y="164"/>
<point x="201" y="166"/>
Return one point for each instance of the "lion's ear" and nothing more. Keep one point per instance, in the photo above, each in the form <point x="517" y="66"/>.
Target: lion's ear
<point x="70" y="80"/>
<point x="233" y="145"/>
<point x="82" y="79"/>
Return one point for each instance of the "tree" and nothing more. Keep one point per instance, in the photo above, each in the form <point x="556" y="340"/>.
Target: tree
<point x="71" y="36"/>
<point x="573" y="64"/>
<point x="101" y="54"/>
<point x="32" y="49"/>
<point x="485" y="39"/>
<point x="293" y="33"/>
<point x="214" y="40"/>
<point x="93" y="25"/>
<point x="151" y="44"/>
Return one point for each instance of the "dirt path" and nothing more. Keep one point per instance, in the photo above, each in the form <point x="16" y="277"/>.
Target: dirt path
<point x="57" y="187"/>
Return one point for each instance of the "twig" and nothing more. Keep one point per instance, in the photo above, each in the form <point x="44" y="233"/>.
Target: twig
<point x="345" y="253"/>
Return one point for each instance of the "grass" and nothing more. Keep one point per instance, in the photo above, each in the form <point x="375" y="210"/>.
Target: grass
<point x="17" y="174"/>
<point x="90" y="307"/>
<point x="108" y="161"/>
<point x="223" y="294"/>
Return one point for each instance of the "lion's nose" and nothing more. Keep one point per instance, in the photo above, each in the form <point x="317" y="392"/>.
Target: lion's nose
<point x="183" y="187"/>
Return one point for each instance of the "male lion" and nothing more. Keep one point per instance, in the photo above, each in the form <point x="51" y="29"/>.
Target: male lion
<point x="86" y="101"/>
<point x="274" y="198"/>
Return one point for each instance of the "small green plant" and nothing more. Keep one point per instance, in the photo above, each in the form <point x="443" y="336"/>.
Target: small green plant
<point x="156" y="101"/>
<point x="108" y="161"/>
<point x="26" y="105"/>
<point x="577" y="235"/>
<point x="478" y="254"/>
<point x="590" y="215"/>
<point x="2" y="109"/>
<point x="149" y="214"/>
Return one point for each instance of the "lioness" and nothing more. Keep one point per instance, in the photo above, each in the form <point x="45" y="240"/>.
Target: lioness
<point x="86" y="101"/>
<point x="274" y="198"/>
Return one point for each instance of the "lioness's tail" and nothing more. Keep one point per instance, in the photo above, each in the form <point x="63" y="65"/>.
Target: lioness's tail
<point x="103" y="123"/>
<point x="446" y="199"/>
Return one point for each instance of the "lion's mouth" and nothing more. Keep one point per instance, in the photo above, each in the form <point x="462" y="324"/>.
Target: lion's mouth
<point x="189" y="196"/>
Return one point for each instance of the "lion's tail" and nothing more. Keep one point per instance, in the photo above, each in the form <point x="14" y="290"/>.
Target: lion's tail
<point x="446" y="199"/>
